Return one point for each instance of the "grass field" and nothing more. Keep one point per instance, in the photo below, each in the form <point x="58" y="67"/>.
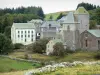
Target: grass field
<point x="76" y="70"/>
<point x="8" y="65"/>
<point x="77" y="56"/>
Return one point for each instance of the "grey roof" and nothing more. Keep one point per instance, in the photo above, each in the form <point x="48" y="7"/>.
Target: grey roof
<point x="62" y="19"/>
<point x="35" y="21"/>
<point x="52" y="23"/>
<point x="70" y="18"/>
<point x="96" y="33"/>
<point x="23" y="25"/>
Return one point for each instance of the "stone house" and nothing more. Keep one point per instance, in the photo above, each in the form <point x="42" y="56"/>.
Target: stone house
<point x="49" y="29"/>
<point x="51" y="43"/>
<point x="90" y="40"/>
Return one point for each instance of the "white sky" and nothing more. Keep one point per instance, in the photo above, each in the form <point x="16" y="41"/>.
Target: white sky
<point x="49" y="6"/>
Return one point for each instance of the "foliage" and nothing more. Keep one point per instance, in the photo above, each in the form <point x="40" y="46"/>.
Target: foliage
<point x="60" y="16"/>
<point x="7" y="31"/>
<point x="97" y="56"/>
<point x="7" y="65"/>
<point x="58" y="49"/>
<point x="92" y="24"/>
<point x="18" y="46"/>
<point x="40" y="45"/>
<point x="87" y="6"/>
<point x="97" y="15"/>
<point x="6" y="45"/>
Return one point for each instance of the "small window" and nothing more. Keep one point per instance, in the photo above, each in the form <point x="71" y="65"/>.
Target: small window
<point x="25" y="40"/>
<point x="49" y="25"/>
<point x="21" y="36"/>
<point x="18" y="31"/>
<point x="18" y="36"/>
<point x="86" y="43"/>
<point x="25" y="31"/>
<point x="32" y="35"/>
<point x="32" y="39"/>
<point x="25" y="35"/>
<point x="22" y="32"/>
<point x="32" y="31"/>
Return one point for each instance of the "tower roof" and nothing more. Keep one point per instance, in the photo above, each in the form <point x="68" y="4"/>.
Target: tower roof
<point x="81" y="10"/>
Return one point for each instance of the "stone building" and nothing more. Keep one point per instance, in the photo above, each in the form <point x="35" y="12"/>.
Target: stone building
<point x="49" y="29"/>
<point x="90" y="40"/>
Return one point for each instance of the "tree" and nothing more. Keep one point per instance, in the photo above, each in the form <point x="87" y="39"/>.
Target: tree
<point x="40" y="45"/>
<point x="98" y="15"/>
<point x="6" y="45"/>
<point x="92" y="24"/>
<point x="41" y="13"/>
<point x="51" y="17"/>
<point x="58" y="49"/>
<point x="7" y="31"/>
<point x="60" y="16"/>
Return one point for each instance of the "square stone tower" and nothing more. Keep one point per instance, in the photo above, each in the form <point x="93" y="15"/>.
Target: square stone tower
<point x="83" y="18"/>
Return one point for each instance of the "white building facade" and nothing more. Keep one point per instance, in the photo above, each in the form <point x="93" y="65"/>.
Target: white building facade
<point x="23" y="33"/>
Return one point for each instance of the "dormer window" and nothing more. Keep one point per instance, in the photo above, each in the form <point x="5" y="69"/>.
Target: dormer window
<point x="49" y="25"/>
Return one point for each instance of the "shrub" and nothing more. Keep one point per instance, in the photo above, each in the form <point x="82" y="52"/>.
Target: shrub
<point x="58" y="49"/>
<point x="97" y="56"/>
<point x="18" y="46"/>
<point x="40" y="45"/>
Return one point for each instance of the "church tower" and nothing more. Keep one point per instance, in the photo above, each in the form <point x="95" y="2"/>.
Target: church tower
<point x="82" y="16"/>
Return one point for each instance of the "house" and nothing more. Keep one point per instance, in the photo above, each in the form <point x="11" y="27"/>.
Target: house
<point x="49" y="29"/>
<point x="49" y="46"/>
<point x="23" y="33"/>
<point x="37" y="24"/>
<point x="90" y="40"/>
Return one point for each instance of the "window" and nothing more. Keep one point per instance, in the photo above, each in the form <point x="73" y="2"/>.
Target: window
<point x="32" y="35"/>
<point x="32" y="39"/>
<point x="32" y="31"/>
<point x="21" y="36"/>
<point x="25" y="35"/>
<point x="25" y="31"/>
<point x="21" y="32"/>
<point x="49" y="25"/>
<point x="25" y="40"/>
<point x="18" y="36"/>
<point x="18" y="31"/>
<point x="86" y="43"/>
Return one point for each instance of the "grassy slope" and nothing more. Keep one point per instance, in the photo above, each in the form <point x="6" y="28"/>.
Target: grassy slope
<point x="7" y="65"/>
<point x="76" y="70"/>
<point x="55" y="15"/>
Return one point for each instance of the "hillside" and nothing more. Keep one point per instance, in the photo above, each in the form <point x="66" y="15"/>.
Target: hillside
<point x="56" y="14"/>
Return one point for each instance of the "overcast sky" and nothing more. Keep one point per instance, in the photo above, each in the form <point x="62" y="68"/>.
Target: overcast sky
<point x="48" y="6"/>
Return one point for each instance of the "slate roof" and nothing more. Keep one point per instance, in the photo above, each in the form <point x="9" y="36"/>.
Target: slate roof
<point x="23" y="25"/>
<point x="81" y="10"/>
<point x="52" y="23"/>
<point x="96" y="33"/>
<point x="35" y="20"/>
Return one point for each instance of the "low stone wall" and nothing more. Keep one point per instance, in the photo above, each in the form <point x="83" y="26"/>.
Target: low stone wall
<point x="50" y="68"/>
<point x="19" y="59"/>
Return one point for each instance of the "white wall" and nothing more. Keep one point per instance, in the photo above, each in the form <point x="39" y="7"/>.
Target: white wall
<point x="20" y="36"/>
